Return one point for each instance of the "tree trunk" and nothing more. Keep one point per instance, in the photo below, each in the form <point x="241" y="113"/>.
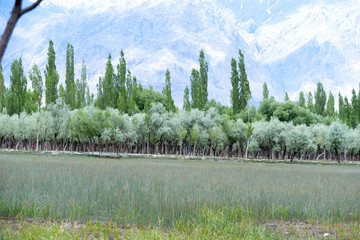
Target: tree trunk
<point x="247" y="149"/>
<point x="37" y="135"/>
<point x="230" y="150"/>
<point x="292" y="156"/>
<point x="337" y="155"/>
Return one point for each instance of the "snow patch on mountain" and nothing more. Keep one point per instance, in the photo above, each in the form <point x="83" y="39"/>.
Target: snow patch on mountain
<point x="289" y="44"/>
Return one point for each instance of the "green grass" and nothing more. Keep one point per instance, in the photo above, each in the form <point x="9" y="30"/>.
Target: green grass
<point x="214" y="225"/>
<point x="166" y="193"/>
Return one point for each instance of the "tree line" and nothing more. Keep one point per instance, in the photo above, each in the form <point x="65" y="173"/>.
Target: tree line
<point x="125" y="116"/>
<point x="158" y="131"/>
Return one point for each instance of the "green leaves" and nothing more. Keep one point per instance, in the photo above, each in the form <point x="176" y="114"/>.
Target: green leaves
<point x="199" y="83"/>
<point x="18" y="84"/>
<point x="320" y="99"/>
<point x="51" y="76"/>
<point x="37" y="84"/>
<point x="240" y="93"/>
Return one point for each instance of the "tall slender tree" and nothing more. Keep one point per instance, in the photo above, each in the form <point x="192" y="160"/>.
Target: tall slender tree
<point x="330" y="106"/>
<point x="169" y="101"/>
<point x="341" y="107"/>
<point x="70" y="87"/>
<point x="235" y="90"/>
<point x="18" y="84"/>
<point x="99" y="102"/>
<point x="310" y="102"/>
<point x="199" y="83"/>
<point x="37" y="85"/>
<point x="245" y="93"/>
<point x="81" y="86"/>
<point x="203" y="78"/>
<point x="51" y="76"/>
<point x="287" y="98"/>
<point x="302" y="100"/>
<point x="62" y="92"/>
<point x="195" y="89"/>
<point x="347" y="111"/>
<point x="129" y="90"/>
<point x="108" y="85"/>
<point x="187" y="104"/>
<point x="320" y="99"/>
<point x="89" y="97"/>
<point x="120" y="85"/>
<point x="265" y="91"/>
<point x="353" y="114"/>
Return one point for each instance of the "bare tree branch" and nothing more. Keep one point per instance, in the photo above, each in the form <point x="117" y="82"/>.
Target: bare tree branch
<point x="16" y="13"/>
<point x="34" y="5"/>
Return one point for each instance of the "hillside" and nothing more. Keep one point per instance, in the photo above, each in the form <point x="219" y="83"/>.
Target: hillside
<point x="291" y="45"/>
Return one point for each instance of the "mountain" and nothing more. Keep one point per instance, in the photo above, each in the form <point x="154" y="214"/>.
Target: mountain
<point x="289" y="44"/>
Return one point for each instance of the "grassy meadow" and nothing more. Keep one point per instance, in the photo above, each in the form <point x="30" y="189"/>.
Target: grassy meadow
<point x="177" y="194"/>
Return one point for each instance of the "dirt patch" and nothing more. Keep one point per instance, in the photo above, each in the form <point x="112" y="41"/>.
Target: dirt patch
<point x="90" y="230"/>
<point x="317" y="230"/>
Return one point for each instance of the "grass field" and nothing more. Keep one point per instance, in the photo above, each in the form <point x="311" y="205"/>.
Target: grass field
<point x="177" y="194"/>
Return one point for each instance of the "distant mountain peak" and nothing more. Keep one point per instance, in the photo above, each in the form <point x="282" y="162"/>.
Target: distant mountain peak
<point x="289" y="44"/>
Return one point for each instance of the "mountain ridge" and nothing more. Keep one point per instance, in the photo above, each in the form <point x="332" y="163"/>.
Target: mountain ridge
<point x="290" y="45"/>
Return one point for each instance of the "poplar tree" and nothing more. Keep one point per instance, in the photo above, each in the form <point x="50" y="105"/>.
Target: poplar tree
<point x="245" y="93"/>
<point x="353" y="113"/>
<point x="81" y="86"/>
<point x="18" y="89"/>
<point x="302" y="100"/>
<point x="203" y="79"/>
<point x="70" y="87"/>
<point x="341" y="107"/>
<point x="330" y="107"/>
<point x="310" y="104"/>
<point x="136" y="92"/>
<point x="199" y="84"/>
<point x="169" y="102"/>
<point x="61" y="92"/>
<point x="347" y="111"/>
<point x="129" y="90"/>
<point x="195" y="89"/>
<point x="187" y="105"/>
<point x="2" y="90"/>
<point x="100" y="95"/>
<point x="235" y="90"/>
<point x="265" y="91"/>
<point x="78" y="94"/>
<point x="108" y="85"/>
<point x="51" y="76"/>
<point x="37" y="84"/>
<point x="121" y="94"/>
<point x="89" y="97"/>
<point x="287" y="98"/>
<point x="320" y="99"/>
<point x="30" y="103"/>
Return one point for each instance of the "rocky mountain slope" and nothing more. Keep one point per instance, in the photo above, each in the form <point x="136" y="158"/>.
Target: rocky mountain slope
<point x="289" y="44"/>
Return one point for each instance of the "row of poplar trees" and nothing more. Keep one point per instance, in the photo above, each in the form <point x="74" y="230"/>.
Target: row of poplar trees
<point x="319" y="103"/>
<point x="116" y="89"/>
<point x="121" y="90"/>
<point x="18" y="97"/>
<point x="240" y="93"/>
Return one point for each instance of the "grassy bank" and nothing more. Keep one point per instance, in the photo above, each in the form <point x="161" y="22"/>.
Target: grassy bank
<point x="177" y="194"/>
